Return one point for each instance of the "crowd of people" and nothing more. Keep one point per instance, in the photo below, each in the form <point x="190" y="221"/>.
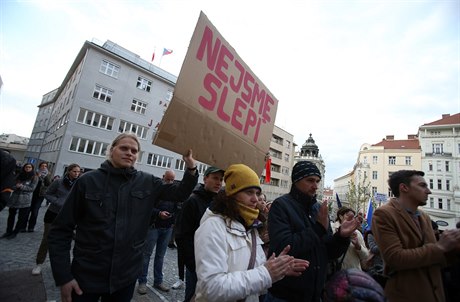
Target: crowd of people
<point x="232" y="244"/>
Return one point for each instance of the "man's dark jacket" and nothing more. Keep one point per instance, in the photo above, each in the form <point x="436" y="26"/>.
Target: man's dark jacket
<point x="291" y="221"/>
<point x="110" y="209"/>
<point x="189" y="221"/>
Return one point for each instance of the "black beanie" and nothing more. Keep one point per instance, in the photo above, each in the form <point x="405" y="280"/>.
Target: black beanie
<point x="304" y="169"/>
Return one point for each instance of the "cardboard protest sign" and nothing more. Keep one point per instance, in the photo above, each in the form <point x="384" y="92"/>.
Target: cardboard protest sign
<point x="220" y="108"/>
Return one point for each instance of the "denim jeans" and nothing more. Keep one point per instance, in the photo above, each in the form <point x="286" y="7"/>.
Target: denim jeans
<point x="34" y="208"/>
<point x="159" y="238"/>
<point x="190" y="284"/>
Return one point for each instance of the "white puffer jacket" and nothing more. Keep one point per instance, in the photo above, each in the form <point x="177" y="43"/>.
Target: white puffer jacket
<point x="222" y="253"/>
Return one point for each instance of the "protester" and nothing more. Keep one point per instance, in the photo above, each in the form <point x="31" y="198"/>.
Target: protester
<point x="7" y="177"/>
<point x="357" y="251"/>
<point x="189" y="221"/>
<point x="109" y="209"/>
<point x="56" y="194"/>
<point x="158" y="236"/>
<point x="20" y="201"/>
<point x="412" y="256"/>
<point x="294" y="220"/>
<point x="44" y="180"/>
<point x="353" y="285"/>
<point x="230" y="262"/>
<point x="375" y="260"/>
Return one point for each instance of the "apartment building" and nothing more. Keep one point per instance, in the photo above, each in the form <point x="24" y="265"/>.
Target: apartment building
<point x="281" y="152"/>
<point x="440" y="142"/>
<point x="375" y="163"/>
<point x="107" y="90"/>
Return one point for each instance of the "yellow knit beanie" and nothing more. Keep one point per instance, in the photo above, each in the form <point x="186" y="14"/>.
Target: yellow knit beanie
<point x="239" y="177"/>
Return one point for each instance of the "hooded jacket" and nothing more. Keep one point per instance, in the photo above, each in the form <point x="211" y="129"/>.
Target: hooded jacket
<point x="189" y="221"/>
<point x="292" y="221"/>
<point x="110" y="208"/>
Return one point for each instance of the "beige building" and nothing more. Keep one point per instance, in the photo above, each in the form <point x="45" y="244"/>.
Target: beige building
<point x="440" y="142"/>
<point x="376" y="163"/>
<point x="282" y="155"/>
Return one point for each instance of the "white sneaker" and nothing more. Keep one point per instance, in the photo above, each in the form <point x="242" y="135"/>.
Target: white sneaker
<point x="37" y="270"/>
<point x="178" y="284"/>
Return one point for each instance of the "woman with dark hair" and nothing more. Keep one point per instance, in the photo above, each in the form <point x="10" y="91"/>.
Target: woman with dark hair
<point x="56" y="195"/>
<point x="20" y="200"/>
<point x="230" y="262"/>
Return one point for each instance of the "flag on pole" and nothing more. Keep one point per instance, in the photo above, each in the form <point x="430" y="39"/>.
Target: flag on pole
<point x="370" y="211"/>
<point x="268" y="169"/>
<point x="339" y="204"/>
<point x="167" y="51"/>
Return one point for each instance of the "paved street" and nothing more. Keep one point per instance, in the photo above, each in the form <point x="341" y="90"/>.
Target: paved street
<point x="19" y="253"/>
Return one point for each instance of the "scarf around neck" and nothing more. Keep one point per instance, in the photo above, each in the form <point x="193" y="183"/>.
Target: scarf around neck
<point x="248" y="214"/>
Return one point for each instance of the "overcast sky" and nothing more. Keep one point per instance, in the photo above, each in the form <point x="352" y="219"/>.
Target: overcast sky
<point x="349" y="72"/>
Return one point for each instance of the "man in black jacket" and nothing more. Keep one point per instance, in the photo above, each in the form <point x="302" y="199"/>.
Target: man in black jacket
<point x="189" y="221"/>
<point x="110" y="210"/>
<point x="295" y="220"/>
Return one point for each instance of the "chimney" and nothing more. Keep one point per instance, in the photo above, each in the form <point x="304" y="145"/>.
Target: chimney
<point x="412" y="136"/>
<point x="390" y="137"/>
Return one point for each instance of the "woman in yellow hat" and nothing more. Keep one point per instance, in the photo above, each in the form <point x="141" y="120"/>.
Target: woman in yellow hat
<point x="230" y="262"/>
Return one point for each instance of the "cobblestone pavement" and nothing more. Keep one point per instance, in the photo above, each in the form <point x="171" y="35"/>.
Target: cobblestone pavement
<point x="20" y="252"/>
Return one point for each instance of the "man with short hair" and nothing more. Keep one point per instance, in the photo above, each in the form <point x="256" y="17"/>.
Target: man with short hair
<point x="110" y="210"/>
<point x="158" y="235"/>
<point x="189" y="221"/>
<point x="407" y="243"/>
<point x="297" y="220"/>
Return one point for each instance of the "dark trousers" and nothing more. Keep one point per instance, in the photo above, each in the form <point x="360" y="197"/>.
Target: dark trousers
<point x="180" y="259"/>
<point x="122" y="295"/>
<point x="34" y="208"/>
<point x="22" y="220"/>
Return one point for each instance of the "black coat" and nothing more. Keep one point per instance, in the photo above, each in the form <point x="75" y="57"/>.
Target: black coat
<point x="110" y="209"/>
<point x="189" y="221"/>
<point x="291" y="221"/>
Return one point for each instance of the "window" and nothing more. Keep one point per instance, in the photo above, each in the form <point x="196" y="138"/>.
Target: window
<point x="102" y="94"/>
<point x="431" y="184"/>
<point x="438" y="149"/>
<point x="438" y="166"/>
<point x="277" y="139"/>
<point x="109" y="69"/>
<point x="285" y="170"/>
<point x="431" y="202"/>
<point x="374" y="159"/>
<point x="284" y="184"/>
<point x="439" y="184"/>
<point x="275" y="168"/>
<point x="448" y="205"/>
<point x="288" y="144"/>
<point x="159" y="160"/>
<point x="374" y="190"/>
<point x="138" y="106"/>
<point x="140" y="131"/>
<point x="180" y="165"/>
<point x="274" y="182"/>
<point x="440" y="203"/>
<point x="274" y="153"/>
<point x="374" y="174"/>
<point x="87" y="146"/>
<point x="447" y="185"/>
<point x="144" y="84"/>
<point x="392" y="160"/>
<point x="408" y="161"/>
<point x="95" y="119"/>
<point x="286" y="157"/>
<point x="430" y="166"/>
<point x="447" y="166"/>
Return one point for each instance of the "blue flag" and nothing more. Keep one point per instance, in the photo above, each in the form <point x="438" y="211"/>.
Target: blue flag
<point x="370" y="211"/>
<point x="339" y="204"/>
